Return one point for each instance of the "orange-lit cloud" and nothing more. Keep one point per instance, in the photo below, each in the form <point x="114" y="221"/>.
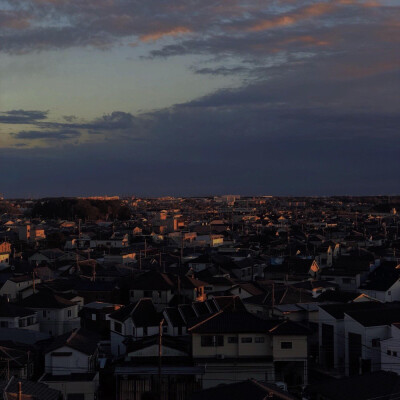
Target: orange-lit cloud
<point x="158" y="35"/>
<point x="364" y="70"/>
<point x="305" y="39"/>
<point x="13" y="21"/>
<point x="314" y="10"/>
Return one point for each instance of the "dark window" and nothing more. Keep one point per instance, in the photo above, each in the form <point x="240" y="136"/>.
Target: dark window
<point x="69" y="313"/>
<point x="389" y="353"/>
<point x="147" y="293"/>
<point x="395" y="354"/>
<point x="247" y="340"/>
<point x="212" y="341"/>
<point x="179" y="330"/>
<point x="76" y="396"/>
<point x="44" y="313"/>
<point x="259" y="339"/>
<point x="286" y="345"/>
<point x="145" y="331"/>
<point x="4" y="324"/>
<point x="376" y="342"/>
<point x="232" y="339"/>
<point x="117" y="327"/>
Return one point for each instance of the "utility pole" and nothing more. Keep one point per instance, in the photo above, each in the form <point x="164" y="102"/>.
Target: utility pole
<point x="159" y="358"/>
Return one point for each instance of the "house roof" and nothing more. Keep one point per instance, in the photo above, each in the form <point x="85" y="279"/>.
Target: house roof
<point x="290" y="328"/>
<point x="152" y="280"/>
<point x="9" y="310"/>
<point x="174" y="316"/>
<point x="81" y="340"/>
<point x="39" y="391"/>
<point x="143" y="313"/>
<point x="46" y="300"/>
<point x="382" y="385"/>
<point x="249" y="389"/>
<point x="338" y="310"/>
<point x="383" y="314"/>
<point x="167" y="341"/>
<point x="382" y="278"/>
<point x="232" y="322"/>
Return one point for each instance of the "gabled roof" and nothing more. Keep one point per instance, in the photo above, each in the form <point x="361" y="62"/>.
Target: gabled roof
<point x="174" y="316"/>
<point x="152" y="280"/>
<point x="142" y="313"/>
<point x="46" y="300"/>
<point x="249" y="389"/>
<point x="233" y="322"/>
<point x="81" y="340"/>
<point x="38" y="391"/>
<point x="289" y="328"/>
<point x="382" y="385"/>
<point x="9" y="310"/>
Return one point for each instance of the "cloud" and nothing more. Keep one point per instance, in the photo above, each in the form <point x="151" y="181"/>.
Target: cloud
<point x="22" y="116"/>
<point x="57" y="135"/>
<point x="158" y="35"/>
<point x="311" y="11"/>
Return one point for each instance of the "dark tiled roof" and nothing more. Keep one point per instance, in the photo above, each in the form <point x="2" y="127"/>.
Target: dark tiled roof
<point x="152" y="281"/>
<point x="39" y="391"/>
<point x="186" y="312"/>
<point x="81" y="340"/>
<point x="290" y="328"/>
<point x="380" y="385"/>
<point x="174" y="316"/>
<point x="10" y="310"/>
<point x="233" y="322"/>
<point x="249" y="389"/>
<point x="46" y="300"/>
<point x="123" y="313"/>
<point x="167" y="341"/>
<point x="382" y="278"/>
<point x="143" y="313"/>
<point x="384" y="314"/>
<point x="338" y="310"/>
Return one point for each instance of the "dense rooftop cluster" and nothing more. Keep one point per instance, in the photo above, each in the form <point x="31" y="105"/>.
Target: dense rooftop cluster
<point x="200" y="298"/>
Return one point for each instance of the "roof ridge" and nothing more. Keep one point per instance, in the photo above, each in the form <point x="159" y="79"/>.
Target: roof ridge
<point x="205" y="320"/>
<point x="70" y="337"/>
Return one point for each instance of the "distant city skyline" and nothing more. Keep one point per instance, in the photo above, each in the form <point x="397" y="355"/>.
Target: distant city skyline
<point x="192" y="98"/>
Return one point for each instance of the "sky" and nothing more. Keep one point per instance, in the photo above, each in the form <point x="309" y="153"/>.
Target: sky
<point x="199" y="97"/>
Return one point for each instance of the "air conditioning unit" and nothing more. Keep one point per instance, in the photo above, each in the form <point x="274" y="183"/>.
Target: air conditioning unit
<point x="220" y="356"/>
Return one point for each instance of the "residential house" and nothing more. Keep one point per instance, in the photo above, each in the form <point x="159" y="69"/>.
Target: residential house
<point x="14" y="316"/>
<point x="56" y="315"/>
<point x="133" y="322"/>
<point x="70" y="365"/>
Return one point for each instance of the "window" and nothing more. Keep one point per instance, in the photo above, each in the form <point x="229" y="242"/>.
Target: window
<point x="4" y="324"/>
<point x="247" y="340"/>
<point x="389" y="353"/>
<point x="93" y="317"/>
<point x="259" y="339"/>
<point x="147" y="293"/>
<point x="232" y="339"/>
<point x="394" y="354"/>
<point x="69" y="313"/>
<point x="44" y="313"/>
<point x="376" y="342"/>
<point x="286" y="345"/>
<point x="346" y="280"/>
<point x="117" y="327"/>
<point x="212" y="341"/>
<point x="145" y="331"/>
